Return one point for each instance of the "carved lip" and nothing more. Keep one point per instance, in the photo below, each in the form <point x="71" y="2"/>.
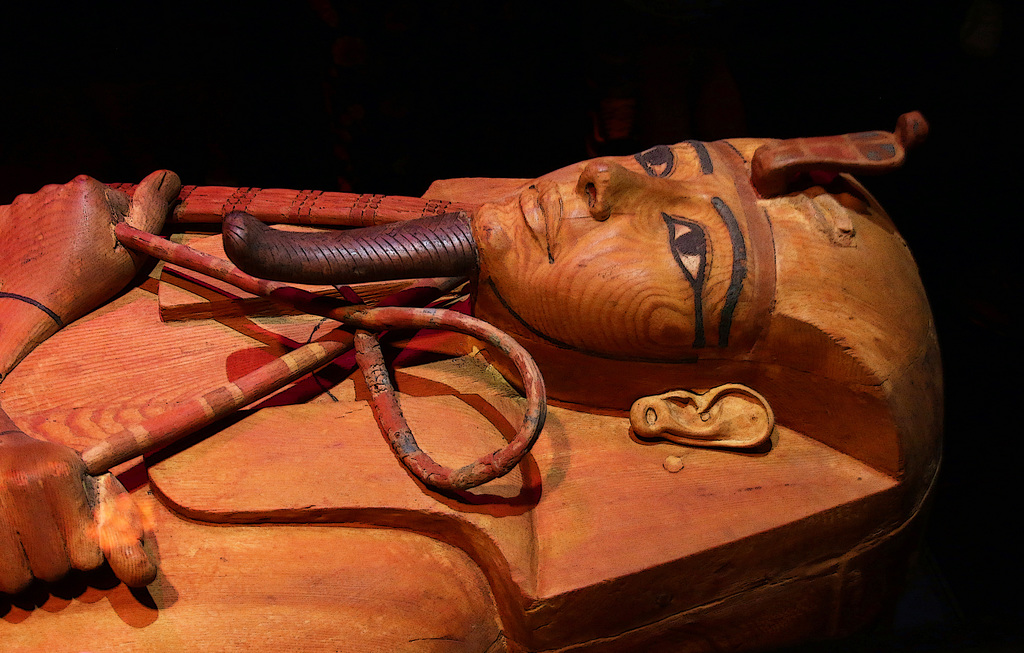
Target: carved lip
<point x="542" y="212"/>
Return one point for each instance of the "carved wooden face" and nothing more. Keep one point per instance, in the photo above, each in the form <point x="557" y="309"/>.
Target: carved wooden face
<point x="646" y="257"/>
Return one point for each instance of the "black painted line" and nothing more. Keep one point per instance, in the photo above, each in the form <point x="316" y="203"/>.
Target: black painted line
<point x="529" y="327"/>
<point x="29" y="300"/>
<point x="739" y="269"/>
<point x="563" y="345"/>
<point x="706" y="166"/>
<point x="738" y="153"/>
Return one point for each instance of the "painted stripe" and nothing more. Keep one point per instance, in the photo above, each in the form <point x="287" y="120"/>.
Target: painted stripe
<point x="292" y="360"/>
<point x="29" y="300"/>
<point x="140" y="433"/>
<point x="755" y="226"/>
<point x="207" y="408"/>
<point x="738" y="153"/>
<point x="237" y="396"/>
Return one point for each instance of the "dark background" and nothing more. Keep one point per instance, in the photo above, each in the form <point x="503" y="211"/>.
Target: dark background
<point x="386" y="97"/>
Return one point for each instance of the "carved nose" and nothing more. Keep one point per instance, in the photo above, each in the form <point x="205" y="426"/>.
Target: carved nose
<point x="594" y="186"/>
<point x="604" y="185"/>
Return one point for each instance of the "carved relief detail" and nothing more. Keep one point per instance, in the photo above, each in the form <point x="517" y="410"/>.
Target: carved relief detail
<point x="731" y="416"/>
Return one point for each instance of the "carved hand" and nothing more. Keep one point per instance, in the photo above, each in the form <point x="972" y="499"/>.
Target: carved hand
<point x="60" y="259"/>
<point x="54" y="517"/>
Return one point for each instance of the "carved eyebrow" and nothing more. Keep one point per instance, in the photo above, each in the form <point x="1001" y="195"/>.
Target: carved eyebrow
<point x="706" y="165"/>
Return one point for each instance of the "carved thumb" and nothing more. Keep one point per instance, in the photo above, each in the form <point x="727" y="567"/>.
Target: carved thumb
<point x="121" y="529"/>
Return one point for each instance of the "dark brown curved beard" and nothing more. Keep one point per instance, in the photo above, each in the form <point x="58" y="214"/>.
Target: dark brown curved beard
<point x="434" y="246"/>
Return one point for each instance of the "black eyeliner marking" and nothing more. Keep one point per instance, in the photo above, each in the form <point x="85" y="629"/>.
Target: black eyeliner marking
<point x="739" y="269"/>
<point x="706" y="166"/>
<point x="29" y="300"/>
<point x="696" y="242"/>
<point x="659" y="155"/>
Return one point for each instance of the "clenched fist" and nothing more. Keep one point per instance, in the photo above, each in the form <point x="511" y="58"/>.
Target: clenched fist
<point x="55" y="517"/>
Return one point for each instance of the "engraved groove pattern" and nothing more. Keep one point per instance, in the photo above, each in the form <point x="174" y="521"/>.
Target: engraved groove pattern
<point x="198" y="204"/>
<point x="428" y="247"/>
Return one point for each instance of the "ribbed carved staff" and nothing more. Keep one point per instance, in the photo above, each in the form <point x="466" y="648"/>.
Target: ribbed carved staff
<point x="209" y="204"/>
<point x="385" y="405"/>
<point x="436" y="246"/>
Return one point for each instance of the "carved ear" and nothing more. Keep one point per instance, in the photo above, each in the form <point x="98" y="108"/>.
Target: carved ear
<point x="731" y="415"/>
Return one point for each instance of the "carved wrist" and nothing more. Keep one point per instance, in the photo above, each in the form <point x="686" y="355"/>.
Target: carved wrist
<point x="12" y="435"/>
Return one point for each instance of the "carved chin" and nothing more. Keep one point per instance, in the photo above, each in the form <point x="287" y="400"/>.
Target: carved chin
<point x="647" y="328"/>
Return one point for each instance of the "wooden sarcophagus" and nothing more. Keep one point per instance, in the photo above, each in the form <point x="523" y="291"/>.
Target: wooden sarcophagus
<point x="347" y="442"/>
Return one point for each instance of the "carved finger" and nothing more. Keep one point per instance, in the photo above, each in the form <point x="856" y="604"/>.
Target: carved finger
<point x="121" y="533"/>
<point x="152" y="200"/>
<point x="14" y="571"/>
<point x="37" y="527"/>
<point x="74" y="515"/>
<point x="132" y="564"/>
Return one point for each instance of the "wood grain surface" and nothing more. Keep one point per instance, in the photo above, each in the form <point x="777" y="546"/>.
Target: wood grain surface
<point x="292" y="524"/>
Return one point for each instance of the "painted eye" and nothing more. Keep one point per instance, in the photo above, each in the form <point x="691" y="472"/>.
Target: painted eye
<point x="689" y="245"/>
<point x="657" y="161"/>
<point x="691" y="250"/>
